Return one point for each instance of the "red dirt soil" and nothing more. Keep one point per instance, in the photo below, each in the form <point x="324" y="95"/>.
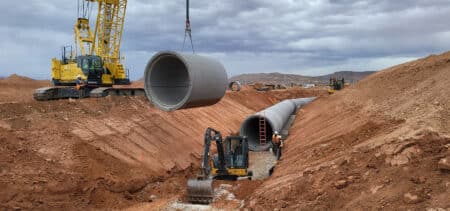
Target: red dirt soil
<point x="19" y="88"/>
<point x="107" y="153"/>
<point x="375" y="145"/>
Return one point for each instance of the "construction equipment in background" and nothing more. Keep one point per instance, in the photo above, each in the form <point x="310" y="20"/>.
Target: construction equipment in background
<point x="96" y="58"/>
<point x="230" y="162"/>
<point x="263" y="87"/>
<point x="336" y="85"/>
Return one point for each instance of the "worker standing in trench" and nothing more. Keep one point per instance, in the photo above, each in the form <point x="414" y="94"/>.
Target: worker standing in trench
<point x="278" y="143"/>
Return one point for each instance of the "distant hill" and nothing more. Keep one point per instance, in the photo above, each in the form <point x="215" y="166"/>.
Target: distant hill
<point x="280" y="78"/>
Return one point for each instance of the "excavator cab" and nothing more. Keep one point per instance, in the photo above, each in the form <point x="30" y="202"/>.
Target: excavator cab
<point x="236" y="159"/>
<point x="236" y="149"/>
<point x="336" y="85"/>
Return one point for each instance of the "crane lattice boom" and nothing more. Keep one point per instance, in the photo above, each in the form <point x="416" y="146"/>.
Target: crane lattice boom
<point x="108" y="29"/>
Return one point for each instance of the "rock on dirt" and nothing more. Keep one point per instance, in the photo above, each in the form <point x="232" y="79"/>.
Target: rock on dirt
<point x="437" y="209"/>
<point x="411" y="198"/>
<point x="341" y="184"/>
<point x="152" y="198"/>
<point x="444" y="164"/>
<point x="188" y="207"/>
<point x="375" y="189"/>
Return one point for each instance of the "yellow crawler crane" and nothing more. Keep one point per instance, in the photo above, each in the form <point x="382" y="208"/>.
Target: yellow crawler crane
<point x="96" y="59"/>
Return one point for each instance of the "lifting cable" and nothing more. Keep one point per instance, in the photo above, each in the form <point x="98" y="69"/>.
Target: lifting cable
<point x="188" y="30"/>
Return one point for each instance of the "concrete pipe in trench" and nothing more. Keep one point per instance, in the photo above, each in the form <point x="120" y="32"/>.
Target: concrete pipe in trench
<point x="176" y="80"/>
<point x="276" y="118"/>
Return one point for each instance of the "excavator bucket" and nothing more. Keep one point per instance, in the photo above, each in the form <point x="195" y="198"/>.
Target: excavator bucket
<point x="200" y="191"/>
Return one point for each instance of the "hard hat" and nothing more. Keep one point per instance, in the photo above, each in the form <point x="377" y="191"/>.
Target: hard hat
<point x="276" y="132"/>
<point x="79" y="76"/>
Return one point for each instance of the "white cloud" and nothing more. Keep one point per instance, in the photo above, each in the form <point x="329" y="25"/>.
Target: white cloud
<point x="293" y="36"/>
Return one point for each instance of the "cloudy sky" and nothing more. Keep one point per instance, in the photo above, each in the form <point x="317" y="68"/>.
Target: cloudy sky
<point x="309" y="37"/>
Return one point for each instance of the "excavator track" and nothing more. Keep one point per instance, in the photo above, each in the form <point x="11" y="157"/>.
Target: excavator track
<point x="200" y="191"/>
<point x="55" y="93"/>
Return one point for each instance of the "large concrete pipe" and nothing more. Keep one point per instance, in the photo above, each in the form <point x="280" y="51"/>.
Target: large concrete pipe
<point x="177" y="80"/>
<point x="276" y="117"/>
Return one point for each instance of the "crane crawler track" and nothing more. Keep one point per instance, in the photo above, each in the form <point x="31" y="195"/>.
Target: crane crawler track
<point x="55" y="93"/>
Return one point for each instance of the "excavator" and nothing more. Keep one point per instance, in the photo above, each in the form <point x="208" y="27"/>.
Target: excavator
<point x="230" y="163"/>
<point x="335" y="85"/>
<point x="96" y="60"/>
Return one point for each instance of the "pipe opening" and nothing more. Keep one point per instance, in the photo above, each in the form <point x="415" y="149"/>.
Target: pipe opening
<point x="250" y="128"/>
<point x="169" y="81"/>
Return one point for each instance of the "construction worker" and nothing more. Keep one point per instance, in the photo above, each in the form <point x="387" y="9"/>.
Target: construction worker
<point x="278" y="143"/>
<point x="79" y="84"/>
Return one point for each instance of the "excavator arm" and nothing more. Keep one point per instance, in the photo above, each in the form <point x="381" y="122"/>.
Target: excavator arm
<point x="212" y="135"/>
<point x="200" y="190"/>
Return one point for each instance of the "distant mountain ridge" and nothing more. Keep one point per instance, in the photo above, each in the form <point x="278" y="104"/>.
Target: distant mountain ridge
<point x="280" y="78"/>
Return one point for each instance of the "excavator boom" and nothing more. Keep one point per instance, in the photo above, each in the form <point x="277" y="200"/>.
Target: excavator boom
<point x="200" y="189"/>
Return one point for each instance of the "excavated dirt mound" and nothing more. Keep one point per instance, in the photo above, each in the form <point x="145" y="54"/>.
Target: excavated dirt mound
<point x="380" y="144"/>
<point x="107" y="153"/>
<point x="17" y="88"/>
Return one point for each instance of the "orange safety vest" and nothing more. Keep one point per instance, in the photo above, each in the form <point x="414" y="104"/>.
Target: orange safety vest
<point x="79" y="84"/>
<point x="276" y="139"/>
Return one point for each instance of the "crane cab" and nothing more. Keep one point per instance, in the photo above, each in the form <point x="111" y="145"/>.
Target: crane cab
<point x="93" y="70"/>
<point x="89" y="67"/>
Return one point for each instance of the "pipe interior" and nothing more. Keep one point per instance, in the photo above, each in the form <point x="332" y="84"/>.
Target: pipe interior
<point x="169" y="80"/>
<point x="251" y="130"/>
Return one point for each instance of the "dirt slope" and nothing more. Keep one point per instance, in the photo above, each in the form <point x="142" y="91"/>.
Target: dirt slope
<point x="105" y="153"/>
<point x="17" y="88"/>
<point x="375" y="145"/>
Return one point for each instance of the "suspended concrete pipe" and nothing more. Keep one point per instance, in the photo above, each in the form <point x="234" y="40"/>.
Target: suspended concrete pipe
<point x="176" y="80"/>
<point x="277" y="117"/>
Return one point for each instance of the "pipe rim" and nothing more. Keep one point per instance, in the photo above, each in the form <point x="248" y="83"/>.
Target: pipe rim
<point x="151" y="95"/>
